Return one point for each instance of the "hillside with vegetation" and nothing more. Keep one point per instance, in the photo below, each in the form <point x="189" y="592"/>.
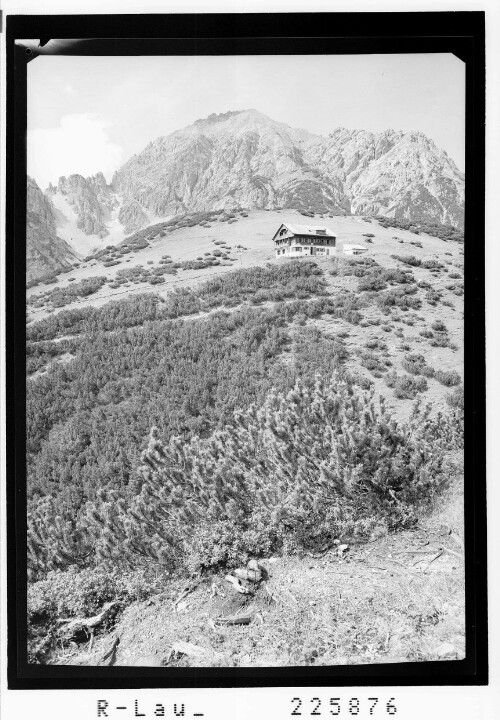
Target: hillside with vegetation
<point x="195" y="405"/>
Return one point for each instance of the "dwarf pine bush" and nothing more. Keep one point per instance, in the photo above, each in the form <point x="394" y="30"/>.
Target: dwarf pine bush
<point x="408" y="260"/>
<point x="456" y="398"/>
<point x="439" y="326"/>
<point x="403" y="297"/>
<point x="407" y="387"/>
<point x="417" y="365"/>
<point x="372" y="282"/>
<point x="79" y="593"/>
<point x="301" y="468"/>
<point x="449" y="378"/>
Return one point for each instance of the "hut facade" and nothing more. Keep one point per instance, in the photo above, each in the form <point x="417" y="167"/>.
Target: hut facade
<point x="292" y="240"/>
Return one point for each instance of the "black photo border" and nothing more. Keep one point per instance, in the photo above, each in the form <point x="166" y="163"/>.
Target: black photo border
<point x="461" y="33"/>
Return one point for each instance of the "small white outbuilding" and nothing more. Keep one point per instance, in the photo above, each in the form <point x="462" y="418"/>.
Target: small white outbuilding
<point x="350" y="249"/>
<point x="300" y="240"/>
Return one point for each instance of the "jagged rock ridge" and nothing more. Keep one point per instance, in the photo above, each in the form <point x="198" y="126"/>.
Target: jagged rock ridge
<point x="89" y="210"/>
<point x="45" y="251"/>
<point x="90" y="198"/>
<point x="245" y="159"/>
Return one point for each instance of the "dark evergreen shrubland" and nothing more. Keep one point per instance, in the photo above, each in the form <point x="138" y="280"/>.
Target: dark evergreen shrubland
<point x="408" y="260"/>
<point x="403" y="297"/>
<point x="301" y="467"/>
<point x="60" y="296"/>
<point x="359" y="267"/>
<point x="265" y="442"/>
<point x="378" y="278"/>
<point x="440" y="230"/>
<point x="40" y="354"/>
<point x="296" y="279"/>
<point x="87" y="419"/>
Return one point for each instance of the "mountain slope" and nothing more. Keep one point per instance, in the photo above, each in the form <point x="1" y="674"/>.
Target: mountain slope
<point x="239" y="159"/>
<point x="45" y="251"/>
<point x="81" y="195"/>
<point x="245" y="159"/>
<point x="89" y="211"/>
<point x="413" y="180"/>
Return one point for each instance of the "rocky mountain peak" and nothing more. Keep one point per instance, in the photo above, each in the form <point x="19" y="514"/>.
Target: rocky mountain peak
<point x="88" y="197"/>
<point x="243" y="158"/>
<point x="45" y="251"/>
<point x="215" y="118"/>
<point x="98" y="182"/>
<point x="246" y="159"/>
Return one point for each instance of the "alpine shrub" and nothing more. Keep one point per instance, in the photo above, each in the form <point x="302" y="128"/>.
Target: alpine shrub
<point x="449" y="378"/>
<point x="402" y="297"/>
<point x="439" y="326"/>
<point x="408" y="260"/>
<point x="417" y="365"/>
<point x="307" y="465"/>
<point x="455" y="399"/>
<point x="405" y="386"/>
<point x="372" y="282"/>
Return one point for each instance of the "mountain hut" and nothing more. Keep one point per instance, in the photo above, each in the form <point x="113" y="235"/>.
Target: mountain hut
<point x="300" y="240"/>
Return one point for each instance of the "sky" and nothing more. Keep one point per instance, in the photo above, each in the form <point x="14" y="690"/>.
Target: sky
<point x="87" y="114"/>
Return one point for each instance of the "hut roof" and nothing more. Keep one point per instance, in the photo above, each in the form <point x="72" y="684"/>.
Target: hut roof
<point x="311" y="230"/>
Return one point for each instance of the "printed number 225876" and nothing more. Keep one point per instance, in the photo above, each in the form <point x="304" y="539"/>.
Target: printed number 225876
<point x="343" y="706"/>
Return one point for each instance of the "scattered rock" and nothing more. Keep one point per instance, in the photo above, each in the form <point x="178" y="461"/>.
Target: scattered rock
<point x="246" y="580"/>
<point x="250" y="574"/>
<point x="244" y="619"/>
<point x="253" y="566"/>
<point x="241" y="586"/>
